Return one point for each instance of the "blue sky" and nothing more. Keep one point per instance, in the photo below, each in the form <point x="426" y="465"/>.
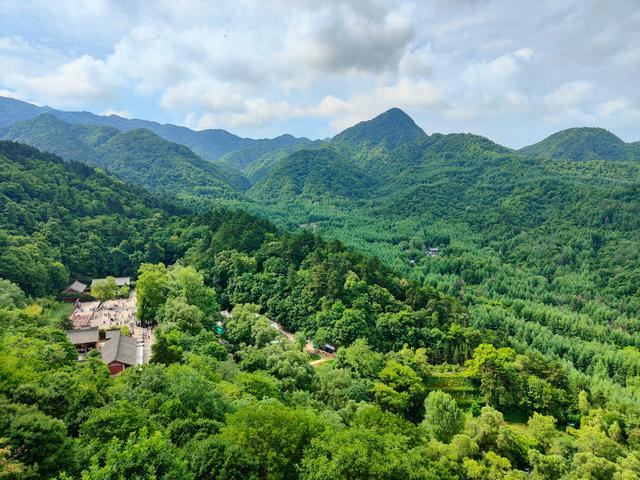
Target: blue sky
<point x="512" y="71"/>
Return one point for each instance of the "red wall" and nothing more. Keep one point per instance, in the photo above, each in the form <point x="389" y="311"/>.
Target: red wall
<point x="116" y="367"/>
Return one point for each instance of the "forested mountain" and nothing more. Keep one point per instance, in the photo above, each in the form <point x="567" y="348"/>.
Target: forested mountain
<point x="581" y="144"/>
<point x="209" y="144"/>
<point x="13" y="111"/>
<point x="314" y="174"/>
<point x="389" y="129"/>
<point x="139" y="156"/>
<point x="71" y="142"/>
<point x="66" y="218"/>
<point x="498" y="379"/>
<point x="245" y="157"/>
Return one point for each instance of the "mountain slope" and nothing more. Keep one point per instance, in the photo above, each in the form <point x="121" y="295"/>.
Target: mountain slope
<point x="241" y="159"/>
<point x="389" y="129"/>
<point x="72" y="142"/>
<point x="139" y="156"/>
<point x="143" y="158"/>
<point x="12" y="111"/>
<point x="312" y="174"/>
<point x="66" y="218"/>
<point x="581" y="144"/>
<point x="209" y="144"/>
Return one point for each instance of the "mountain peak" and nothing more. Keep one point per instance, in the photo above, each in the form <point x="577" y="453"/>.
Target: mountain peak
<point x="581" y="144"/>
<point x="390" y="129"/>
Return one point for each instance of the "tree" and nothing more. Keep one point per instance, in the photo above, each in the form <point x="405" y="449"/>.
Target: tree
<point x="143" y="456"/>
<point x="400" y="390"/>
<point x="215" y="457"/>
<point x="497" y="375"/>
<point x="360" y="359"/>
<point x="187" y="283"/>
<point x="151" y="291"/>
<point x="274" y="434"/>
<point x="443" y="419"/>
<point x="188" y="318"/>
<point x="543" y="429"/>
<point x="105" y="289"/>
<point x="38" y="441"/>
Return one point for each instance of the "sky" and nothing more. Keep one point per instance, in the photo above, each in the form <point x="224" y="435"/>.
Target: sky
<point x="514" y="71"/>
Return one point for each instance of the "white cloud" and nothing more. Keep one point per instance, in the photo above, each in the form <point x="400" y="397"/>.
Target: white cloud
<point x="313" y="67"/>
<point x="569" y="95"/>
<point x="82" y="80"/>
<point x="119" y="113"/>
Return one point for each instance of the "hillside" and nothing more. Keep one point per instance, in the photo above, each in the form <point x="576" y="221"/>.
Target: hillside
<point x="210" y="144"/>
<point x="435" y="384"/>
<point x="13" y="111"/>
<point x="314" y="175"/>
<point x="62" y="219"/>
<point x="246" y="157"/>
<point x="389" y="129"/>
<point x="138" y="156"/>
<point x="72" y="142"/>
<point x="582" y="144"/>
<point x="144" y="158"/>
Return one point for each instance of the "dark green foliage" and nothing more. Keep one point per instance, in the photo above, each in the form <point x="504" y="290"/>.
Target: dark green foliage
<point x="62" y="220"/>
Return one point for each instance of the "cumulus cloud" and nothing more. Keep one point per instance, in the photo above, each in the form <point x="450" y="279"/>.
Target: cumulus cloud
<point x="341" y="38"/>
<point x="82" y="80"/>
<point x="514" y="71"/>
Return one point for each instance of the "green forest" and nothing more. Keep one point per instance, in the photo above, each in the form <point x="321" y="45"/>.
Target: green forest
<point x="484" y="303"/>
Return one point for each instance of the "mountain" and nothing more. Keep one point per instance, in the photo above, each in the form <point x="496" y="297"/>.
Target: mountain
<point x="139" y="156"/>
<point x="210" y="144"/>
<point x="582" y="144"/>
<point x="389" y="129"/>
<point x="12" y="111"/>
<point x="143" y="158"/>
<point x="66" y="218"/>
<point x="312" y="174"/>
<point x="72" y="142"/>
<point x="245" y="157"/>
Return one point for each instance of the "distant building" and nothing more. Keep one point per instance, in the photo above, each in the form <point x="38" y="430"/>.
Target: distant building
<point x="433" y="251"/>
<point x="328" y="348"/>
<point x="76" y="287"/>
<point x="84" y="339"/>
<point x="119" y="351"/>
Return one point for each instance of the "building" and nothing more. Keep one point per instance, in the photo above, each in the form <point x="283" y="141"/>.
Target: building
<point x="84" y="339"/>
<point x="433" y="251"/>
<point x="328" y="348"/>
<point x="75" y="291"/>
<point x="119" y="351"/>
<point x="76" y="287"/>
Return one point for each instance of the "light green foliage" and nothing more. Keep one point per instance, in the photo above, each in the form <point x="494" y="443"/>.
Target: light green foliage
<point x="151" y="291"/>
<point x="141" y="457"/>
<point x="104" y="289"/>
<point x="399" y="389"/>
<point x="275" y="435"/>
<point x="442" y="417"/>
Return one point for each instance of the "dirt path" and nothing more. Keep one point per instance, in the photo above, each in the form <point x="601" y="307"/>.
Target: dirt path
<point x="315" y="363"/>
